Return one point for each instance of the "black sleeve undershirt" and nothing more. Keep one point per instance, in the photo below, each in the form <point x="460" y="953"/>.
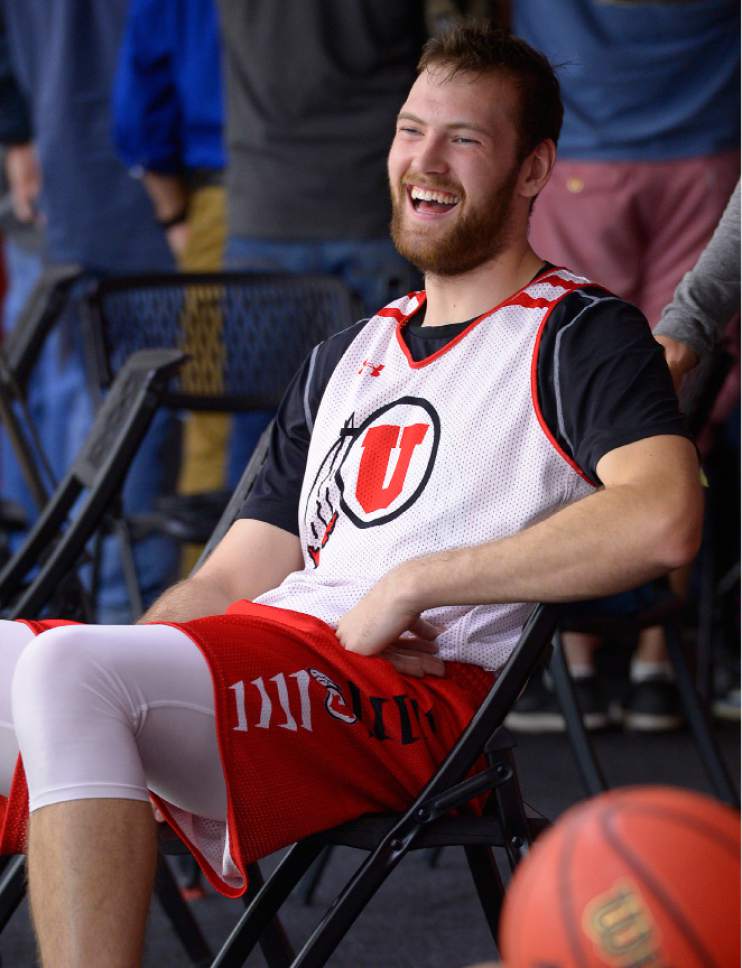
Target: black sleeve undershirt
<point x="275" y="494"/>
<point x="602" y="384"/>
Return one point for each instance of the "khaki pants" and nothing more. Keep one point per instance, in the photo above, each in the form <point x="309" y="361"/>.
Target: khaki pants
<point x="205" y="435"/>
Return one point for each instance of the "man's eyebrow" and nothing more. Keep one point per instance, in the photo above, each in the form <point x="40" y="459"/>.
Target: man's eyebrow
<point x="454" y="125"/>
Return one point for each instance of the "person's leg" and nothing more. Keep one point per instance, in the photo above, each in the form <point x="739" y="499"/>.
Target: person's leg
<point x="103" y="714"/>
<point x="587" y="219"/>
<point x="23" y="268"/>
<point x="204" y="434"/>
<point x="14" y="637"/>
<point x="91" y="867"/>
<point x="681" y="204"/>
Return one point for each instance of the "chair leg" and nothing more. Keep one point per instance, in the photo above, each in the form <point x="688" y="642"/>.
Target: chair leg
<point x="310" y="882"/>
<point x="706" y="613"/>
<point x="180" y="915"/>
<point x="128" y="565"/>
<point x="263" y="908"/>
<point x="587" y="763"/>
<point x="698" y="721"/>
<point x="356" y="894"/>
<point x="12" y="888"/>
<point x="274" y="942"/>
<point x="488" y="883"/>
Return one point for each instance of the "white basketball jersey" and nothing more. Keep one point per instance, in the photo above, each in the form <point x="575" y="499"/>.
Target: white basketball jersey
<point x="410" y="458"/>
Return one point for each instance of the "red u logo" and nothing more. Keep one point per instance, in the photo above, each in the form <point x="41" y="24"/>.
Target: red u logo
<point x="377" y="446"/>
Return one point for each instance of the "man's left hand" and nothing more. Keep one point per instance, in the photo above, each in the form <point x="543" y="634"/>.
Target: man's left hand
<point x="386" y="620"/>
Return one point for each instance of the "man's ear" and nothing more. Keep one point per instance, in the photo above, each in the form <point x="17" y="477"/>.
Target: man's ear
<point x="536" y="169"/>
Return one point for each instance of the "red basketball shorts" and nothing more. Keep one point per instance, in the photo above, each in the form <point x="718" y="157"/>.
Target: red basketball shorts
<point x="310" y="736"/>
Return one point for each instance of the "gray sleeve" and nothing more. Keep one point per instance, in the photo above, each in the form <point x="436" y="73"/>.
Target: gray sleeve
<point x="708" y="296"/>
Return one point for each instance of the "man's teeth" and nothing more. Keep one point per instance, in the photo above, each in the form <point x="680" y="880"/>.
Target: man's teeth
<point x="426" y="195"/>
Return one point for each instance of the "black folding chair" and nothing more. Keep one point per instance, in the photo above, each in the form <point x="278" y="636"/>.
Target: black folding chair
<point x="429" y="822"/>
<point x="438" y="817"/>
<point x="246" y="335"/>
<point x="55" y="544"/>
<point x="666" y="612"/>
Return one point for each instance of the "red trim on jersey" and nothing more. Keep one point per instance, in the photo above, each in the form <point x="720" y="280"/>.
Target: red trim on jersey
<point x="518" y="298"/>
<point x="534" y="394"/>
<point x="397" y="314"/>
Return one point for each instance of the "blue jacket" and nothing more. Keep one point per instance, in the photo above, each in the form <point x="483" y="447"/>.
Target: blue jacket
<point x="64" y="55"/>
<point x="167" y="99"/>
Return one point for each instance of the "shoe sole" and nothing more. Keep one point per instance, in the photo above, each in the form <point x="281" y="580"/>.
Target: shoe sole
<point x="730" y="714"/>
<point x="551" y="722"/>
<point x="648" y="723"/>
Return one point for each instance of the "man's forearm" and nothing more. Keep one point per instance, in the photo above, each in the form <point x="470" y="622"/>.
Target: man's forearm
<point x="647" y="522"/>
<point x="608" y="542"/>
<point x="188" y="600"/>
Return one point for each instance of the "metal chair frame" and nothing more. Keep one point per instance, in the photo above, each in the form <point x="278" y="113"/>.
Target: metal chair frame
<point x="84" y="495"/>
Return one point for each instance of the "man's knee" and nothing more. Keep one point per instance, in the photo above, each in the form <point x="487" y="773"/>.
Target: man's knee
<point x="52" y="672"/>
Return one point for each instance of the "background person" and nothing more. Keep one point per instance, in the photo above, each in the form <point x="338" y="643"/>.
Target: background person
<point x="95" y="216"/>
<point x="648" y="159"/>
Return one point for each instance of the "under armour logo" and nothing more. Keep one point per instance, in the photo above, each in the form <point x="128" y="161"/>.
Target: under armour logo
<point x="374" y="369"/>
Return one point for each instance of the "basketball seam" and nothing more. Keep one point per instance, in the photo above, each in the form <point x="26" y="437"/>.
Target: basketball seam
<point x="652" y="884"/>
<point x="565" y="900"/>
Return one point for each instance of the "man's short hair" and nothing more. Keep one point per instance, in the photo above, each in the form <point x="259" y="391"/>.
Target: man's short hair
<point x="479" y="47"/>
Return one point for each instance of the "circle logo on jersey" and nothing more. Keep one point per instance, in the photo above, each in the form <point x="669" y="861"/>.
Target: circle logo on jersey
<point x="374" y="472"/>
<point x="389" y="462"/>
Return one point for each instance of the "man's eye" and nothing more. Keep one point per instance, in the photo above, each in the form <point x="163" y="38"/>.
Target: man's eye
<point x="407" y="130"/>
<point x="465" y="141"/>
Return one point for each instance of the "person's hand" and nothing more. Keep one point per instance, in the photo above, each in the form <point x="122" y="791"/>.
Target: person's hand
<point x="387" y="621"/>
<point x="177" y="238"/>
<point x="679" y="357"/>
<point x="24" y="181"/>
<point x="415" y="657"/>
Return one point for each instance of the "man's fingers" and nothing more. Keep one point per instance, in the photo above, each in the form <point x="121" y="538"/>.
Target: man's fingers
<point x="416" y="666"/>
<point x="425" y="629"/>
<point x="415" y="662"/>
<point x="408" y="640"/>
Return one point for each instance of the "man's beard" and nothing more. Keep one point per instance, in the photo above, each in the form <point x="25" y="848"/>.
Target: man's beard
<point x="470" y="242"/>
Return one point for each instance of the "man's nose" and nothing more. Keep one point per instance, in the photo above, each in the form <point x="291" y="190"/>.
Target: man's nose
<point x="432" y="157"/>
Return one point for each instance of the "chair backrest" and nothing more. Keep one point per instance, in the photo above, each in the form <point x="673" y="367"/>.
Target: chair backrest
<point x="239" y="495"/>
<point x="245" y="334"/>
<point x="77" y="506"/>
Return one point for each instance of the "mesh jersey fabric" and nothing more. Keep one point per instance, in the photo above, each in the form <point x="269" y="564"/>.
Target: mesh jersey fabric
<point x="403" y="457"/>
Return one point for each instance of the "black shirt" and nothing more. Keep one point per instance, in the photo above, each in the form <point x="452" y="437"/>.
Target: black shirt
<point x="602" y="383"/>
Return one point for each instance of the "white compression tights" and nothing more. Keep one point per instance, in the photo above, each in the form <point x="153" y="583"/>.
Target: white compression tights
<point x="109" y="711"/>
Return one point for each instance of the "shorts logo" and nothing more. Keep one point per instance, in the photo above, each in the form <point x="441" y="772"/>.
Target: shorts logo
<point x="334" y="697"/>
<point x="374" y="472"/>
<point x="289" y="701"/>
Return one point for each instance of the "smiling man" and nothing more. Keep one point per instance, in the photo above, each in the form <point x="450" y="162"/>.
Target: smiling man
<point x="506" y="436"/>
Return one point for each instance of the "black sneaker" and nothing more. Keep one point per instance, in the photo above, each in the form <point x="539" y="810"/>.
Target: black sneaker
<point x="727" y="705"/>
<point x="653" y="706"/>
<point x="538" y="711"/>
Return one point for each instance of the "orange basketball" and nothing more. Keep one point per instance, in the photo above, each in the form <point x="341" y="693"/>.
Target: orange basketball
<point x="642" y="877"/>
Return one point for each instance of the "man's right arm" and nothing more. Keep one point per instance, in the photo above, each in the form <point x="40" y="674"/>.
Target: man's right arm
<point x="251" y="558"/>
<point x="262" y="547"/>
